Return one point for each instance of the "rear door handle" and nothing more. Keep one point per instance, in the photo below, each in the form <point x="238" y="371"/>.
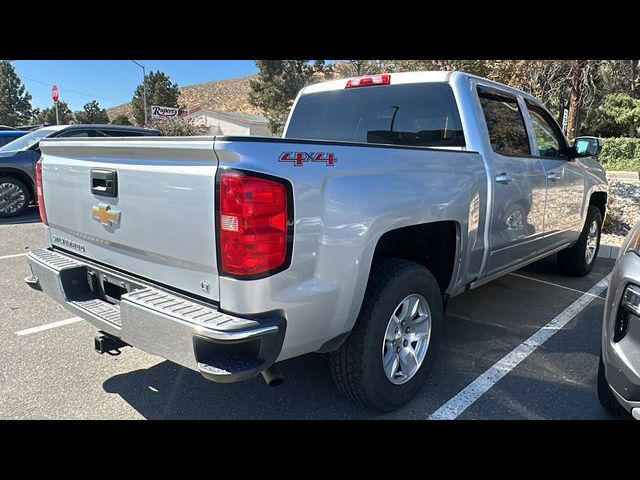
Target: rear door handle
<point x="503" y="178"/>
<point x="552" y="176"/>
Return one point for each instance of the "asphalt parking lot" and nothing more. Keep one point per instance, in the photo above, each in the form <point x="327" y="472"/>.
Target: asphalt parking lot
<point x="493" y="364"/>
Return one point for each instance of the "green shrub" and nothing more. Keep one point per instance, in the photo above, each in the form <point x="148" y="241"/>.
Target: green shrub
<point x="620" y="153"/>
<point x="178" y="127"/>
<point x="121" y="120"/>
<point x="617" y="115"/>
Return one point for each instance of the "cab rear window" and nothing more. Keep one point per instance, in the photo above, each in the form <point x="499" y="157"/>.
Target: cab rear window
<point x="421" y="114"/>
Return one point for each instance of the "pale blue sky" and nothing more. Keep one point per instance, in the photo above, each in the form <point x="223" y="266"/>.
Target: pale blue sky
<point x="112" y="82"/>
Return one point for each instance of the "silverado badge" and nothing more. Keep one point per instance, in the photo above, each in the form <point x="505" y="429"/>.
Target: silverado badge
<point x="105" y="215"/>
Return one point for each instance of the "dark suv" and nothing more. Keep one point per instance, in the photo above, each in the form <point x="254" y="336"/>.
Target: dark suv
<point x="18" y="160"/>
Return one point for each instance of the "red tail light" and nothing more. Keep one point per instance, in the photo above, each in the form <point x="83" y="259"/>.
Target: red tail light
<point x="369" y="80"/>
<point x="40" y="194"/>
<point x="253" y="225"/>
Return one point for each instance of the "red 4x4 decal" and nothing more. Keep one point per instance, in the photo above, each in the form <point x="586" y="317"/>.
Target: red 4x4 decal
<point x="300" y="158"/>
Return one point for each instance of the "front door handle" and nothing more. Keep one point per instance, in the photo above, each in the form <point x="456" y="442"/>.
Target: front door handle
<point x="552" y="176"/>
<point x="503" y="178"/>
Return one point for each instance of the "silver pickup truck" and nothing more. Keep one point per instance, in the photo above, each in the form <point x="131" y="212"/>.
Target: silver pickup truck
<point x="387" y="195"/>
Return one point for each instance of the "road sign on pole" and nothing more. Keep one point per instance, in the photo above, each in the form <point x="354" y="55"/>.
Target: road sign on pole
<point x="565" y="120"/>
<point x="55" y="94"/>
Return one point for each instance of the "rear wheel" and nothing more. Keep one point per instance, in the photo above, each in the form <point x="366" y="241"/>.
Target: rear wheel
<point x="388" y="355"/>
<point x="578" y="260"/>
<point x="14" y="197"/>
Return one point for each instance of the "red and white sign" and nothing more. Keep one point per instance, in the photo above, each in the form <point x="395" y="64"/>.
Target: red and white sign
<point x="55" y="94"/>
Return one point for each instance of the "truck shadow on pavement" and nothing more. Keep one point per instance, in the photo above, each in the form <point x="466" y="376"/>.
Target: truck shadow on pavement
<point x="169" y="391"/>
<point x="481" y="326"/>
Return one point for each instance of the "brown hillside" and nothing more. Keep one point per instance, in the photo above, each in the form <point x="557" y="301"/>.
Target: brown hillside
<point x="223" y="96"/>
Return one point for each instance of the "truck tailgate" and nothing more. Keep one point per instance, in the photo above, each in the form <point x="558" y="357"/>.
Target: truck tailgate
<point x="159" y="223"/>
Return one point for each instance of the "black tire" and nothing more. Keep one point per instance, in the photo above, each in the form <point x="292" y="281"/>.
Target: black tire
<point x="6" y="180"/>
<point x="606" y="396"/>
<point x="357" y="365"/>
<point x="572" y="261"/>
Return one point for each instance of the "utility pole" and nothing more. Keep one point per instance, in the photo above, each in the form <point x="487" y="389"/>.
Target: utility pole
<point x="144" y="88"/>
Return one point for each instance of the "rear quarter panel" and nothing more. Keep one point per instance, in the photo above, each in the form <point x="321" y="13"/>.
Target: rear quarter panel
<point x="340" y="213"/>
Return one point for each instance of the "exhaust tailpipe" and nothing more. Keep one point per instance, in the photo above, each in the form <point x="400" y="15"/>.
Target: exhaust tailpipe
<point x="272" y="376"/>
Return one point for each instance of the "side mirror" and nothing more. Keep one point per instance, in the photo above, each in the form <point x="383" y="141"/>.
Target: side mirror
<point x="587" y="147"/>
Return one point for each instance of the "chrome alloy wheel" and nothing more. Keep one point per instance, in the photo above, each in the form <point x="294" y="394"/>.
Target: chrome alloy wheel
<point x="592" y="242"/>
<point x="406" y="339"/>
<point x="12" y="198"/>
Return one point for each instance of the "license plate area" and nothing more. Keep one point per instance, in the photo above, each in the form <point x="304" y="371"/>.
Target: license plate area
<point x="109" y="287"/>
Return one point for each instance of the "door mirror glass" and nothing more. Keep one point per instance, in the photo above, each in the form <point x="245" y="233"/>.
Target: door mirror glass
<point x="587" y="146"/>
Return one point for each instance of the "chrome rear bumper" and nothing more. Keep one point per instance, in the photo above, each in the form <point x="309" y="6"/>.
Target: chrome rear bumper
<point x="223" y="347"/>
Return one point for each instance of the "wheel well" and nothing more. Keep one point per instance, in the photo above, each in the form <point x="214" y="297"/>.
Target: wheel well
<point x="430" y="244"/>
<point x="20" y="175"/>
<point x="599" y="199"/>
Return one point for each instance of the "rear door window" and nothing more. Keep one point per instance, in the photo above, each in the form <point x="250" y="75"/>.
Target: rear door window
<point x="507" y="131"/>
<point x="418" y="114"/>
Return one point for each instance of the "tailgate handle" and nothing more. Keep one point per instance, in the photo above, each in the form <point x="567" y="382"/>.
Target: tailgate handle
<point x="104" y="182"/>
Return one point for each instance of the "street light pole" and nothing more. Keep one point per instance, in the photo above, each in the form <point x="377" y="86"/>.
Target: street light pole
<point x="144" y="88"/>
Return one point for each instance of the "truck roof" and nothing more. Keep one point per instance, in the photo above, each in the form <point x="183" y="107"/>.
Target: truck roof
<point x="409" y="77"/>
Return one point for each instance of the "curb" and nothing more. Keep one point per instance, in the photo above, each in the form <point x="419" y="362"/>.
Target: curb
<point x="625" y="176"/>
<point x="608" y="251"/>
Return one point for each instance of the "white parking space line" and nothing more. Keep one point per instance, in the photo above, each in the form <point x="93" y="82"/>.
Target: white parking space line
<point x="553" y="284"/>
<point x="472" y="392"/>
<point x="49" y="326"/>
<point x="15" y="255"/>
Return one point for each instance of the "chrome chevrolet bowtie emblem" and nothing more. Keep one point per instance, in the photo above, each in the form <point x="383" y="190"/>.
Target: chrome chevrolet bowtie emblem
<point x="105" y="215"/>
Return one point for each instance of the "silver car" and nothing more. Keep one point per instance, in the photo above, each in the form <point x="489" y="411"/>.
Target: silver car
<point x="619" y="369"/>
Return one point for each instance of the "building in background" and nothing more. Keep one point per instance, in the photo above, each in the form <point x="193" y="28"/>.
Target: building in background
<point x="230" y="123"/>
